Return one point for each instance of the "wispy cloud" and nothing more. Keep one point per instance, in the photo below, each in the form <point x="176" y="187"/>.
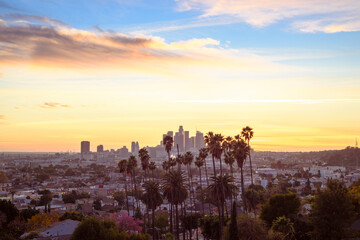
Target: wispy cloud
<point x="306" y="15"/>
<point x="54" y="105"/>
<point x="293" y="101"/>
<point x="2" y="117"/>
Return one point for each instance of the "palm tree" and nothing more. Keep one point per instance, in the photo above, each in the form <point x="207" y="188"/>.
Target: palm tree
<point x="152" y="167"/>
<point x="180" y="160"/>
<point x="187" y="160"/>
<point x="168" y="142"/>
<point x="248" y="133"/>
<point x="240" y="150"/>
<point x="214" y="145"/>
<point x="144" y="158"/>
<point x="166" y="166"/>
<point x="123" y="169"/>
<point x="172" y="162"/>
<point x="226" y="183"/>
<point x="131" y="166"/>
<point x="152" y="199"/>
<point x="175" y="191"/>
<point x="199" y="163"/>
<point x="203" y="153"/>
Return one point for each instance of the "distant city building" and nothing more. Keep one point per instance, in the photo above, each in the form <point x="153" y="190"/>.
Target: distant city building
<point x="85" y="147"/>
<point x="170" y="133"/>
<point x="135" y="148"/>
<point x="179" y="139"/>
<point x="123" y="152"/>
<point x="199" y="140"/>
<point x="187" y="140"/>
<point x="100" y="148"/>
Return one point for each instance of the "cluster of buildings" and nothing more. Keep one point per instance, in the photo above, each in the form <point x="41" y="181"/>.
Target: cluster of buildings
<point x="183" y="142"/>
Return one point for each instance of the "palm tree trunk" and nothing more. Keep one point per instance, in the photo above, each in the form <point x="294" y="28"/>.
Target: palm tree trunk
<point x="218" y="202"/>
<point x="202" y="200"/>
<point x="177" y="222"/>
<point x="207" y="180"/>
<point x="153" y="223"/>
<point x="243" y="189"/>
<point x="171" y="218"/>
<point x="126" y="195"/>
<point x="252" y="183"/>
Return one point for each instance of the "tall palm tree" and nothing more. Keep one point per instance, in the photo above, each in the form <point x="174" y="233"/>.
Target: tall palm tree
<point x="199" y="163"/>
<point x="152" y="199"/>
<point x="172" y="162"/>
<point x="214" y="145"/>
<point x="203" y="153"/>
<point x="123" y="169"/>
<point x="188" y="159"/>
<point x="175" y="191"/>
<point x="240" y="150"/>
<point x="180" y="160"/>
<point x="248" y="133"/>
<point x="145" y="159"/>
<point x="168" y="142"/>
<point x="152" y="167"/>
<point x="131" y="166"/>
<point x="166" y="166"/>
<point x="226" y="183"/>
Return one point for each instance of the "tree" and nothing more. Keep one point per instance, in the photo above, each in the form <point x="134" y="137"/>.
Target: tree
<point x="144" y="159"/>
<point x="131" y="166"/>
<point x="123" y="169"/>
<point x="226" y="183"/>
<point x="8" y="211"/>
<point x="255" y="195"/>
<point x="42" y="220"/>
<point x="175" y="191"/>
<point x="119" y="197"/>
<point x="280" y="205"/>
<point x="97" y="204"/>
<point x="248" y="228"/>
<point x="73" y="215"/>
<point x="3" y="177"/>
<point x="94" y="229"/>
<point x="233" y="228"/>
<point x="126" y="223"/>
<point x="152" y="199"/>
<point x="190" y="222"/>
<point x="199" y="163"/>
<point x="332" y="211"/>
<point x="240" y="150"/>
<point x="26" y="214"/>
<point x="168" y="142"/>
<point x="284" y="226"/>
<point x="152" y="167"/>
<point x="307" y="188"/>
<point x="248" y="133"/>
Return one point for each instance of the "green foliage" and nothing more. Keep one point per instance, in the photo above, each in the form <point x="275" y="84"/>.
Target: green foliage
<point x="280" y="205"/>
<point x="26" y="214"/>
<point x="73" y="196"/>
<point x="332" y="211"/>
<point x="248" y="228"/>
<point x="284" y="226"/>
<point x="8" y="212"/>
<point x="233" y="228"/>
<point x="97" y="204"/>
<point x="190" y="221"/>
<point x="161" y="220"/>
<point x="254" y="195"/>
<point x="95" y="229"/>
<point x="210" y="226"/>
<point x="73" y="215"/>
<point x="119" y="197"/>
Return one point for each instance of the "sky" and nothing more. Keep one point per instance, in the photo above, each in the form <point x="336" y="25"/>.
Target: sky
<point x="117" y="71"/>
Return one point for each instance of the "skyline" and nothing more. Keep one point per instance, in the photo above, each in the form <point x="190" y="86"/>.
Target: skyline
<point x="113" y="72"/>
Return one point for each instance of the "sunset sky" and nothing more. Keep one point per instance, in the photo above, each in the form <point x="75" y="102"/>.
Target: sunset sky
<point x="117" y="71"/>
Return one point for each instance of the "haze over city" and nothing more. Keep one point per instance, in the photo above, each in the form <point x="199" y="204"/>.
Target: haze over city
<point x="113" y="72"/>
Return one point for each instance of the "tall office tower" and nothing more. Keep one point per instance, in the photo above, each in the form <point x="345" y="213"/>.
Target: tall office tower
<point x="170" y="133"/>
<point x="137" y="148"/>
<point x="187" y="140"/>
<point x="199" y="140"/>
<point x="85" y="147"/>
<point x="133" y="147"/>
<point x="191" y="143"/>
<point x="181" y="129"/>
<point x="100" y="148"/>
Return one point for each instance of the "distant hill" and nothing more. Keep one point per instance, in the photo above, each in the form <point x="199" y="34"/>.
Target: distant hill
<point x="349" y="157"/>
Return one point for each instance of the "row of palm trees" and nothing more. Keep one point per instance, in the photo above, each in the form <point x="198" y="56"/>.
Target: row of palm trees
<point x="220" y="187"/>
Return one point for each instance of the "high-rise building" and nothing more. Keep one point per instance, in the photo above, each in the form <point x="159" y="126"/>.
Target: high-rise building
<point x="191" y="143"/>
<point x="199" y="140"/>
<point x="85" y="147"/>
<point x="187" y="140"/>
<point x="100" y="148"/>
<point x="170" y="133"/>
<point x="135" y="148"/>
<point x="179" y="139"/>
